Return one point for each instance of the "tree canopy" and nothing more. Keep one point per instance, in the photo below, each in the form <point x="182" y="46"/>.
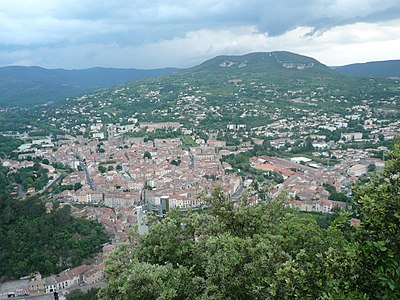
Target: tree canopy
<point x="33" y="240"/>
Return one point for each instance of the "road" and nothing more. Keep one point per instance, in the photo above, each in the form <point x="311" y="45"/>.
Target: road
<point x="191" y="162"/>
<point x="21" y="191"/>
<point x="50" y="183"/>
<point x="89" y="179"/>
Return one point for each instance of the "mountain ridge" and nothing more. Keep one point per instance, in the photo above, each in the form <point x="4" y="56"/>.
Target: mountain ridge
<point x="280" y="68"/>
<point x="276" y="60"/>
<point x="385" y="69"/>
<point x="36" y="85"/>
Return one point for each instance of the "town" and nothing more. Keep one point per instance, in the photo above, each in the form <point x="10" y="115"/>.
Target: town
<point x="118" y="155"/>
<point x="121" y="178"/>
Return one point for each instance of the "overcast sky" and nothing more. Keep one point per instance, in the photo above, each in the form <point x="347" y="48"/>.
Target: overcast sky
<point x="182" y="33"/>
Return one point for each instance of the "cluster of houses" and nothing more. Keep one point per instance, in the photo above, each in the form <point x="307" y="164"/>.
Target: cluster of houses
<point x="306" y="184"/>
<point x="140" y="172"/>
<point x="37" y="285"/>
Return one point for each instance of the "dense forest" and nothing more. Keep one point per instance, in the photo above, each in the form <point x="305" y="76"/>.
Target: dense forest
<point x="7" y="145"/>
<point x="268" y="251"/>
<point x="33" y="240"/>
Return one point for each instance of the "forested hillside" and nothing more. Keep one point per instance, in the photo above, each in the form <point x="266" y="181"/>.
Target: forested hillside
<point x="388" y="68"/>
<point x="27" y="86"/>
<point x="33" y="240"/>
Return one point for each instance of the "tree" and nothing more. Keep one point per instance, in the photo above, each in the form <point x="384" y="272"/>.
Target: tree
<point x="36" y="167"/>
<point x="371" y="168"/>
<point x="175" y="162"/>
<point x="102" y="169"/>
<point x="308" y="145"/>
<point x="147" y="155"/>
<point x="47" y="242"/>
<point x="378" y="205"/>
<point x="77" y="186"/>
<point x="232" y="252"/>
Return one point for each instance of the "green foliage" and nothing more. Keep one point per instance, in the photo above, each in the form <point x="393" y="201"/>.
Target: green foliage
<point x="4" y="181"/>
<point x="33" y="240"/>
<point x="250" y="95"/>
<point x="147" y="155"/>
<point x="187" y="141"/>
<point x="232" y="252"/>
<point x="378" y="204"/>
<point x="102" y="169"/>
<point x="35" y="176"/>
<point x="156" y="134"/>
<point x="230" y="141"/>
<point x="61" y="188"/>
<point x="240" y="164"/>
<point x="371" y="168"/>
<point x="31" y="86"/>
<point x="77" y="186"/>
<point x="175" y="162"/>
<point x="7" y="145"/>
<point x="334" y="194"/>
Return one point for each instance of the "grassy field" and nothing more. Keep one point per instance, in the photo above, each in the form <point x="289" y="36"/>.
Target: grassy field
<point x="187" y="140"/>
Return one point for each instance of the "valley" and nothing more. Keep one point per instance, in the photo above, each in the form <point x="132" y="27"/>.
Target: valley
<point x="258" y="127"/>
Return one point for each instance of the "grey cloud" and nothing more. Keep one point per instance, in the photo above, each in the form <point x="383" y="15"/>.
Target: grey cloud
<point x="134" y="22"/>
<point x="58" y="24"/>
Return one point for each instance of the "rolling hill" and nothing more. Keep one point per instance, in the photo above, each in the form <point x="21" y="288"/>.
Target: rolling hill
<point x="252" y="89"/>
<point x="35" y="85"/>
<point x="388" y="69"/>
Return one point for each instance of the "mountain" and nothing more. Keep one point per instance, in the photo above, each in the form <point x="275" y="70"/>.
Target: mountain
<point x="263" y="62"/>
<point x="36" y="85"/>
<point x="255" y="89"/>
<point x="388" y="69"/>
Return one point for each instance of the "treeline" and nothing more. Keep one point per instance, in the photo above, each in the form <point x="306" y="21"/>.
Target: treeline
<point x="35" y="176"/>
<point x="4" y="181"/>
<point x="7" y="145"/>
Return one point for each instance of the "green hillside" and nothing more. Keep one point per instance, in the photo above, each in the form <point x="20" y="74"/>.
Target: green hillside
<point x="262" y="62"/>
<point x="388" y="68"/>
<point x="27" y="86"/>
<point x="250" y="89"/>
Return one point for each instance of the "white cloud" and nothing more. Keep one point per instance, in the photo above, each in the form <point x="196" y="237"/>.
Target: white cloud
<point x="142" y="33"/>
<point x="340" y="45"/>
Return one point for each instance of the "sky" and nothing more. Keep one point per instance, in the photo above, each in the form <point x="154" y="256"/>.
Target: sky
<point x="76" y="34"/>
